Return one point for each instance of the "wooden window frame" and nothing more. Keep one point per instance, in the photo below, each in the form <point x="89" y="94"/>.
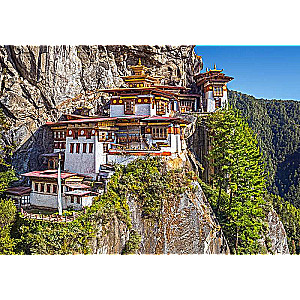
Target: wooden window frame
<point x="54" y="189"/>
<point x="105" y="148"/>
<point x="91" y="147"/>
<point x="48" y="188"/>
<point x="84" y="148"/>
<point x="218" y="91"/>
<point x="77" y="147"/>
<point x="160" y="108"/>
<point x="159" y="133"/>
<point x="71" y="147"/>
<point x="102" y="136"/>
<point x="129" y="107"/>
<point x="218" y="103"/>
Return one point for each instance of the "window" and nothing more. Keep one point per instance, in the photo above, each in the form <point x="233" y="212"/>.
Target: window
<point x="54" y="188"/>
<point x="91" y="148"/>
<point x="218" y="103"/>
<point x="218" y="91"/>
<point x="72" y="199"/>
<point x="84" y="147"/>
<point x="77" y="147"/>
<point x="78" y="200"/>
<point x="36" y="187"/>
<point x="129" y="106"/>
<point x="58" y="134"/>
<point x="42" y="188"/>
<point x="105" y="148"/>
<point x="71" y="148"/>
<point x="48" y="188"/>
<point x="75" y="134"/>
<point x="159" y="132"/>
<point x="54" y="134"/>
<point x="160" y="108"/>
<point x="102" y="136"/>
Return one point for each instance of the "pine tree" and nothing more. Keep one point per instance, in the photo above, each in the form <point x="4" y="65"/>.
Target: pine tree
<point x="239" y="174"/>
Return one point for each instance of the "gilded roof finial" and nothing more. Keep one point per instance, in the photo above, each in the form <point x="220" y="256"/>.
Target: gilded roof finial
<point x="215" y="66"/>
<point x="140" y="63"/>
<point x="206" y="69"/>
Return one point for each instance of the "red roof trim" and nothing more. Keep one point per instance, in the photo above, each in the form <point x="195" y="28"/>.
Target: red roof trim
<point x="43" y="174"/>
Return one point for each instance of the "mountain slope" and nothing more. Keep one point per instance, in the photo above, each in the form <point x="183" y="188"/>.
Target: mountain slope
<point x="276" y="123"/>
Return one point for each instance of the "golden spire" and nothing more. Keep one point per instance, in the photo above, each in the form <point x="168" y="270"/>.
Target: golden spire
<point x="140" y="63"/>
<point x="215" y="67"/>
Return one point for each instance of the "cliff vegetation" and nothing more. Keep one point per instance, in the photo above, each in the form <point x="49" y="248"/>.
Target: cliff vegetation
<point x="276" y="123"/>
<point x="237" y="186"/>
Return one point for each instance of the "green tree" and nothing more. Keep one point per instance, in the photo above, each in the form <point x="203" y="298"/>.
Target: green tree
<point x="7" y="218"/>
<point x="276" y="123"/>
<point x="238" y="180"/>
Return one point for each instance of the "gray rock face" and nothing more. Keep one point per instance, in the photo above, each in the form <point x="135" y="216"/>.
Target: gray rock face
<point x="187" y="226"/>
<point x="277" y="235"/>
<point x="40" y="83"/>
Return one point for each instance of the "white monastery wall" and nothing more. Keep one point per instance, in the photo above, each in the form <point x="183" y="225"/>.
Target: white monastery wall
<point x="143" y="109"/>
<point x="210" y="101"/>
<point x="83" y="163"/>
<point x="117" y="111"/>
<point x="45" y="200"/>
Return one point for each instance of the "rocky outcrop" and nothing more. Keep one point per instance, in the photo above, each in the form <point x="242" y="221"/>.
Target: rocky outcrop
<point x="276" y="235"/>
<point x="39" y="83"/>
<point x="186" y="226"/>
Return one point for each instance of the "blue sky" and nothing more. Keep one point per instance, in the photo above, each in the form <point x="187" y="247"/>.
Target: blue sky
<point x="271" y="72"/>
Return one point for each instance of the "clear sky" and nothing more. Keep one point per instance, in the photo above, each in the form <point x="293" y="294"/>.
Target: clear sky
<point x="270" y="72"/>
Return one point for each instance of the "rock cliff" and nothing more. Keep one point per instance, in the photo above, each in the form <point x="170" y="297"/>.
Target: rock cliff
<point x="187" y="226"/>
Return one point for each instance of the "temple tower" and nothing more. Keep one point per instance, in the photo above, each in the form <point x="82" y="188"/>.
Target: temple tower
<point x="213" y="86"/>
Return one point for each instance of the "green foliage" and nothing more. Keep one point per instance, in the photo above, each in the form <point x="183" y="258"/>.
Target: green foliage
<point x="238" y="182"/>
<point x="43" y="237"/>
<point x="276" y="123"/>
<point x="7" y="218"/>
<point x="133" y="243"/>
<point x="145" y="180"/>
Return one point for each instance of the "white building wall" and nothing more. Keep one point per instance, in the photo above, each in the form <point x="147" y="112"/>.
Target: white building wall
<point x="224" y="99"/>
<point x="143" y="109"/>
<point x="83" y="163"/>
<point x="46" y="200"/>
<point x="117" y="110"/>
<point x="100" y="156"/>
<point x="210" y="101"/>
<point x="85" y="201"/>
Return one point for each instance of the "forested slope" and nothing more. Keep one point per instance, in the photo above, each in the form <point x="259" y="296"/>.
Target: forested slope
<point x="276" y="123"/>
